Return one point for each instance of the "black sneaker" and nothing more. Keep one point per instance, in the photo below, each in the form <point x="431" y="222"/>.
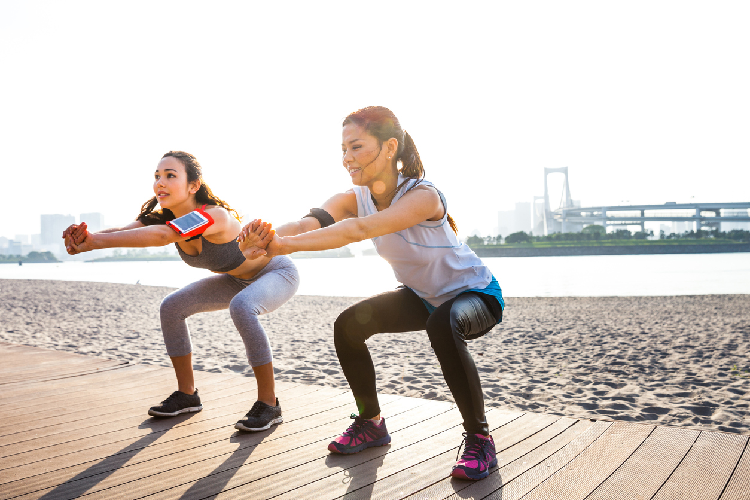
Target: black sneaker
<point x="260" y="417"/>
<point x="178" y="402"/>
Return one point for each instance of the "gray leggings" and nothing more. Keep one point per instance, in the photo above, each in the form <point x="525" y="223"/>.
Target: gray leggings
<point x="246" y="300"/>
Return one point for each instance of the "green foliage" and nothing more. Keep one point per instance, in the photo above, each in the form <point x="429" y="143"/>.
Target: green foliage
<point x="474" y="241"/>
<point x="519" y="237"/>
<point x="738" y="235"/>
<point x="32" y="257"/>
<point x="594" y="229"/>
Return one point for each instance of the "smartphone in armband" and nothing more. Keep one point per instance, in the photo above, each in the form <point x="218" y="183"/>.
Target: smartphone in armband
<point x="191" y="224"/>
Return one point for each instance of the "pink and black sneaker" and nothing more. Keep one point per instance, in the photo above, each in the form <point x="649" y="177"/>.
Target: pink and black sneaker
<point x="478" y="458"/>
<point x="362" y="434"/>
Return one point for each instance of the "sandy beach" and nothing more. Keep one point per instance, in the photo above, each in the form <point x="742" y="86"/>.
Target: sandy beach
<point x="680" y="360"/>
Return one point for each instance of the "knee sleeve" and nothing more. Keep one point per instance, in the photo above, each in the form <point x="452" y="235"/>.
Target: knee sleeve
<point x="470" y="317"/>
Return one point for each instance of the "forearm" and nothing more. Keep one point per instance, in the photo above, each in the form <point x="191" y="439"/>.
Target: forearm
<point x="335" y="236"/>
<point x="151" y="236"/>
<point x="132" y="225"/>
<point x="298" y="227"/>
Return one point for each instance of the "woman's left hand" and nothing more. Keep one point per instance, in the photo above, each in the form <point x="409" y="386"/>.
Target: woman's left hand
<point x="73" y="247"/>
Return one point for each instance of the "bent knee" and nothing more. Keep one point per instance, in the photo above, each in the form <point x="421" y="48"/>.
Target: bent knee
<point x="170" y="305"/>
<point x="347" y="330"/>
<point x="242" y="309"/>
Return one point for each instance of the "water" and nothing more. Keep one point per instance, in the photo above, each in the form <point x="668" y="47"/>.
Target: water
<point x="590" y="275"/>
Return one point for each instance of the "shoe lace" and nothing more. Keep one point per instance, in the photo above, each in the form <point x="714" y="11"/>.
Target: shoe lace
<point x="256" y="410"/>
<point x="473" y="449"/>
<point x="174" y="395"/>
<point x="356" y="426"/>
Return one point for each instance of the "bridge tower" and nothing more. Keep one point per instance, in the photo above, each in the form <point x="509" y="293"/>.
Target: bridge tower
<point x="551" y="225"/>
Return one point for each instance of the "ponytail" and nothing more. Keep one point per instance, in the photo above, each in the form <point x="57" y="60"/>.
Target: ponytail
<point x="411" y="167"/>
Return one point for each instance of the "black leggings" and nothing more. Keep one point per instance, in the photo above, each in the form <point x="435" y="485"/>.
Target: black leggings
<point x="401" y="310"/>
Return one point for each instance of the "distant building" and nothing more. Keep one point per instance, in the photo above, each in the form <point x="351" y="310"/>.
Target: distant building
<point x="682" y="227"/>
<point x="94" y="221"/>
<point x="3" y="241"/>
<point x="23" y="238"/>
<point x="53" y="226"/>
<point x="14" y="248"/>
<point x="512" y="221"/>
<point x="729" y="226"/>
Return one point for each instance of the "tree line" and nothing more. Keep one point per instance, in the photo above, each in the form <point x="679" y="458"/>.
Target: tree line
<point x="598" y="233"/>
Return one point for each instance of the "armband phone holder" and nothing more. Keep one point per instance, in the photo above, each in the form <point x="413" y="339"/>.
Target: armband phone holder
<point x="192" y="224"/>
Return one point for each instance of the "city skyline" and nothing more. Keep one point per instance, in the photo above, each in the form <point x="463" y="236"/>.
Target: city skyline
<point x="644" y="102"/>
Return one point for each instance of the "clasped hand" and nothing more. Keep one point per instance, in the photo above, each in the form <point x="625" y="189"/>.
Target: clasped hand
<point x="75" y="237"/>
<point x="257" y="239"/>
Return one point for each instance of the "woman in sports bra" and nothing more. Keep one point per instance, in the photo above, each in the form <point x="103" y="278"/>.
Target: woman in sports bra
<point x="447" y="290"/>
<point x="248" y="288"/>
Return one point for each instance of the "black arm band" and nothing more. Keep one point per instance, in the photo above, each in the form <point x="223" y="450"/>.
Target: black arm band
<point x="323" y="217"/>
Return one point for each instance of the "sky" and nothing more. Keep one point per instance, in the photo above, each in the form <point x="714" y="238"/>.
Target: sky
<point x="644" y="101"/>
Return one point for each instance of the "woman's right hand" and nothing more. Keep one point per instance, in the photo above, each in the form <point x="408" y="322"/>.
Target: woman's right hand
<point x="254" y="238"/>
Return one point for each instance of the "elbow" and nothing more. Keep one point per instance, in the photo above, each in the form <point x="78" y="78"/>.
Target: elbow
<point x="165" y="238"/>
<point x="360" y="231"/>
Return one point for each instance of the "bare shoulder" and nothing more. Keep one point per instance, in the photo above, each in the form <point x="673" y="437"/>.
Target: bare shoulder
<point x="426" y="187"/>
<point x="223" y="220"/>
<point x="425" y="197"/>
<point x="341" y="205"/>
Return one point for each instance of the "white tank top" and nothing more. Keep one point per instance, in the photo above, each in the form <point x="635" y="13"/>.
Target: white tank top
<point x="427" y="257"/>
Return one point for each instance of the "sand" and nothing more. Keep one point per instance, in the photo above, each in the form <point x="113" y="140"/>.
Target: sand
<point x="679" y="360"/>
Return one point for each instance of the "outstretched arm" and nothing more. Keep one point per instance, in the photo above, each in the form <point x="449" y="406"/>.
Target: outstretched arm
<point x="421" y="204"/>
<point x="256" y="235"/>
<point x="137" y="237"/>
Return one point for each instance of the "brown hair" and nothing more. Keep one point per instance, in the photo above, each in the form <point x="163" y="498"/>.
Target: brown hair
<point x="381" y="123"/>
<point x="203" y="196"/>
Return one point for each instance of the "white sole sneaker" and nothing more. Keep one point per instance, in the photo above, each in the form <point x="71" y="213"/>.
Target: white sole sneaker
<point x="274" y="421"/>
<point x="155" y="413"/>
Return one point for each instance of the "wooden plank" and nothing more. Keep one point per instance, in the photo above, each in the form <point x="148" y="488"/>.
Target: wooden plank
<point x="36" y="434"/>
<point x="589" y="469"/>
<point x="31" y="394"/>
<point x="705" y="469"/>
<point x="649" y="466"/>
<point x="150" y="457"/>
<point x="575" y="437"/>
<point x="192" y="476"/>
<point x="738" y="487"/>
<point x="550" y="439"/>
<point x="137" y="428"/>
<point x="421" y="475"/>
<point x="524" y="482"/>
<point x="156" y="386"/>
<point x="135" y="399"/>
<point x="54" y="371"/>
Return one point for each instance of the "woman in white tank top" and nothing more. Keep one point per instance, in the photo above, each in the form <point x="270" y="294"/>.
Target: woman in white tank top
<point x="447" y="290"/>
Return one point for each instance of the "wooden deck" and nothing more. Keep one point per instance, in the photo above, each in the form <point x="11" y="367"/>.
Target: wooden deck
<point x="74" y="426"/>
